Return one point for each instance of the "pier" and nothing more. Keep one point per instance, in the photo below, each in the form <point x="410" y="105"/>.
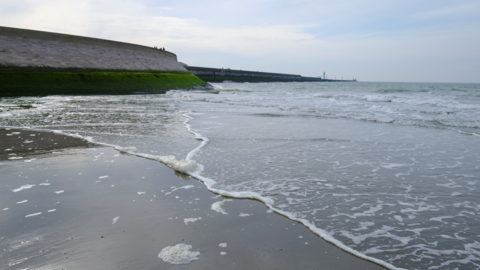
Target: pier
<point x="234" y="75"/>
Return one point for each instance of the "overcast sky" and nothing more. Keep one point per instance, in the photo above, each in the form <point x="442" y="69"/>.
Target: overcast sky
<point x="372" y="40"/>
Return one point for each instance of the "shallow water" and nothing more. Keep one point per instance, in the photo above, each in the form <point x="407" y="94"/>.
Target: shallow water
<point x="389" y="170"/>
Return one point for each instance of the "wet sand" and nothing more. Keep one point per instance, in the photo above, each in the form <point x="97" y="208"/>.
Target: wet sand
<point x="59" y="200"/>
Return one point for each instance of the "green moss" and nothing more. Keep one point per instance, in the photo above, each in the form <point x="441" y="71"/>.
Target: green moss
<point x="42" y="83"/>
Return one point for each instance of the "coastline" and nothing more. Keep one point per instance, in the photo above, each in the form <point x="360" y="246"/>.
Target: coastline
<point x="79" y="234"/>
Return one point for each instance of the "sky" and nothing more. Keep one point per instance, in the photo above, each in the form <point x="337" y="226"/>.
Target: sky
<point x="371" y="40"/>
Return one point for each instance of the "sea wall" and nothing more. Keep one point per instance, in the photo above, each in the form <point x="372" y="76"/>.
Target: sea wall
<point x="234" y="75"/>
<point x="220" y="75"/>
<point x="36" y="63"/>
<point x="21" y="47"/>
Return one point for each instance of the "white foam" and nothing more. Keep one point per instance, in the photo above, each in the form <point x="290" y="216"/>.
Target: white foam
<point x="222" y="245"/>
<point x="115" y="219"/>
<point x="244" y="215"/>
<point x="51" y="210"/>
<point x="44" y="184"/>
<point x="130" y="149"/>
<point x="197" y="136"/>
<point x="24" y="201"/>
<point x="178" y="254"/>
<point x="5" y="209"/>
<point x="182" y="187"/>
<point x="187" y="220"/>
<point x="60" y="191"/>
<point x="223" y="253"/>
<point x="15" y="158"/>
<point x="23" y="187"/>
<point x="184" y="166"/>
<point x="440" y="219"/>
<point x="217" y="206"/>
<point x="102" y="177"/>
<point x="141" y="193"/>
<point x="35" y="214"/>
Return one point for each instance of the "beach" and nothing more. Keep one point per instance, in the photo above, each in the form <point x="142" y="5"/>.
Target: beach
<point x="387" y="172"/>
<point x="70" y="204"/>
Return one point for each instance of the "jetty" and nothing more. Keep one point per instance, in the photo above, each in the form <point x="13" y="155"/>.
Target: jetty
<point x="226" y="74"/>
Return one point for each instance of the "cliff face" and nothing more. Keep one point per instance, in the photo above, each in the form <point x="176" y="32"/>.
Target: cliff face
<point x="20" y="47"/>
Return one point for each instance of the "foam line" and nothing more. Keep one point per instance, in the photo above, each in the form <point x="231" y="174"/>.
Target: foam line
<point x="197" y="136"/>
<point x="183" y="166"/>
<point x="465" y="132"/>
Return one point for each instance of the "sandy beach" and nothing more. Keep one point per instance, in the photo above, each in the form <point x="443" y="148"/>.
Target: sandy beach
<point x="68" y="204"/>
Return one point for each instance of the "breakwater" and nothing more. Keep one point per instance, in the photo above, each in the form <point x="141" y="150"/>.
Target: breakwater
<point x="221" y="74"/>
<point x="45" y="63"/>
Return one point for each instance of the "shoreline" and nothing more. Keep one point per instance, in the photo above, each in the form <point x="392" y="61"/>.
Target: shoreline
<point x="257" y="235"/>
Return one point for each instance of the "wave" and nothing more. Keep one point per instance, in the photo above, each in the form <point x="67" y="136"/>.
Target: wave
<point x="189" y="167"/>
<point x="416" y="110"/>
<point x="269" y="202"/>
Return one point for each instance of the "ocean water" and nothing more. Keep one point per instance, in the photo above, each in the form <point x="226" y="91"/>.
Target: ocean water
<point x="387" y="171"/>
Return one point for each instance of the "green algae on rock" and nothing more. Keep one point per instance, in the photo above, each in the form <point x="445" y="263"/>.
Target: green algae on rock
<point x="41" y="83"/>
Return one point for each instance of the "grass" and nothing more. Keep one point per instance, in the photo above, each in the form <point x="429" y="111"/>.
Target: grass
<point x="26" y="82"/>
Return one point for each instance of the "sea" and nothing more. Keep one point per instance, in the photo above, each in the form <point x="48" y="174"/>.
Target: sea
<point x="387" y="171"/>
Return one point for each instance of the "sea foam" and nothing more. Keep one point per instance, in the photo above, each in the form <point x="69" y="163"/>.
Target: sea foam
<point x="23" y="187"/>
<point x="184" y="166"/>
<point x="178" y="254"/>
<point x="217" y="206"/>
